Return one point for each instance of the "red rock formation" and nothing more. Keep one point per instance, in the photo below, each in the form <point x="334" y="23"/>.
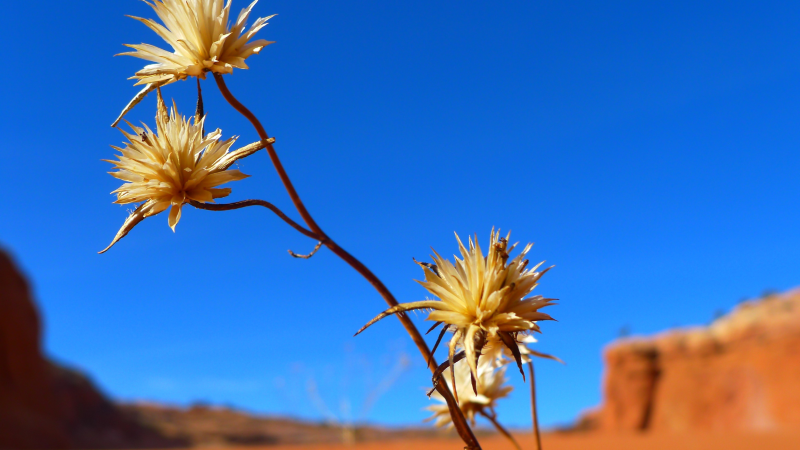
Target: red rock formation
<point x="740" y="373"/>
<point x="42" y="405"/>
<point x="28" y="414"/>
<point x="46" y="406"/>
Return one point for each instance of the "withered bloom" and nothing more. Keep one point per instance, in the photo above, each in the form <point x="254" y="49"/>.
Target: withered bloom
<point x="173" y="165"/>
<point x="202" y="41"/>
<point x="481" y="299"/>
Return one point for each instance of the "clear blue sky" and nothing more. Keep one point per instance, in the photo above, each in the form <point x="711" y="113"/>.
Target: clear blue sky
<point x="650" y="150"/>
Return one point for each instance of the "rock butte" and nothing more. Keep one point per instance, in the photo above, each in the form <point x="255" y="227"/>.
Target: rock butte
<point x="742" y="373"/>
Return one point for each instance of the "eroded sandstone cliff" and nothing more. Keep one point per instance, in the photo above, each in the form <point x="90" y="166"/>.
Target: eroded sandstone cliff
<point x="740" y="373"/>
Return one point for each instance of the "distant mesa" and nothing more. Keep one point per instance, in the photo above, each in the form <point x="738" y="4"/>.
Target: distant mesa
<point x="741" y="373"/>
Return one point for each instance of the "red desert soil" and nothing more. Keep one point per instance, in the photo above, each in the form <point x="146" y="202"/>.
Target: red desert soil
<point x="589" y="441"/>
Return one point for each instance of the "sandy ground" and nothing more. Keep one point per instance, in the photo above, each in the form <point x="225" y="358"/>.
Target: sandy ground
<point x="753" y="441"/>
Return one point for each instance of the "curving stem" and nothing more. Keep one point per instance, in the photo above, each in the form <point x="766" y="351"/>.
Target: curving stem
<point x="460" y="423"/>
<point x="265" y="204"/>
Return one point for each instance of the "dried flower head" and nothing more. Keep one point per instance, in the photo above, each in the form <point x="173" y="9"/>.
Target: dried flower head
<point x="202" y="40"/>
<point x="490" y="388"/>
<point x="175" y="164"/>
<point x="481" y="299"/>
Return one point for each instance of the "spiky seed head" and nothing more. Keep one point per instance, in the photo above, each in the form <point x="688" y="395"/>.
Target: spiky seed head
<point x="481" y="298"/>
<point x="201" y="37"/>
<point x="171" y="166"/>
<point x="202" y="40"/>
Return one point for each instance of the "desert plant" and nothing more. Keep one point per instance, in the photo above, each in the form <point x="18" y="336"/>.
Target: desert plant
<point x="479" y="394"/>
<point x="481" y="401"/>
<point x="482" y="299"/>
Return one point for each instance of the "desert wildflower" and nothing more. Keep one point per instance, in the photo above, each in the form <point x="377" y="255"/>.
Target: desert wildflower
<point x="481" y="299"/>
<point x="173" y="165"/>
<point x="202" y="41"/>
<point x="491" y="388"/>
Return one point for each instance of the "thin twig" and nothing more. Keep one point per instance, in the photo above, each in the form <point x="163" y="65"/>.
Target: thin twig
<point x="316" y="248"/>
<point x="534" y="416"/>
<point x="500" y="428"/>
<point x="265" y="204"/>
<point x="460" y="423"/>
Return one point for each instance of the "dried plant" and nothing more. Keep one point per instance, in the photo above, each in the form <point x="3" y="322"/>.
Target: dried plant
<point x="174" y="165"/>
<point x="481" y="300"/>
<point x="503" y="355"/>
<point x="482" y="402"/>
<point x="490" y="386"/>
<point x="202" y="41"/>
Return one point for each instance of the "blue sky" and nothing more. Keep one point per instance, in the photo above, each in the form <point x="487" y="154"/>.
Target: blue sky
<point x="649" y="150"/>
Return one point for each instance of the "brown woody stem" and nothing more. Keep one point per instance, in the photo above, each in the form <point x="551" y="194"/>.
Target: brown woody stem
<point x="265" y="204"/>
<point x="464" y="431"/>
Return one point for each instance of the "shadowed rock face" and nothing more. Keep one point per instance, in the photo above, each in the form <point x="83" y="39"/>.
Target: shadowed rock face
<point x="46" y="406"/>
<point x="43" y="405"/>
<point x="28" y="411"/>
<point x="740" y="373"/>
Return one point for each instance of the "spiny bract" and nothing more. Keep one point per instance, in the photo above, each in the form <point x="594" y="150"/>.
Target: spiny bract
<point x="498" y="351"/>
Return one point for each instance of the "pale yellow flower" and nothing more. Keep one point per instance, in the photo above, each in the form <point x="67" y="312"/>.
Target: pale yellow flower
<point x="175" y="164"/>
<point x="490" y="387"/>
<point x="202" y="40"/>
<point x="481" y="299"/>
